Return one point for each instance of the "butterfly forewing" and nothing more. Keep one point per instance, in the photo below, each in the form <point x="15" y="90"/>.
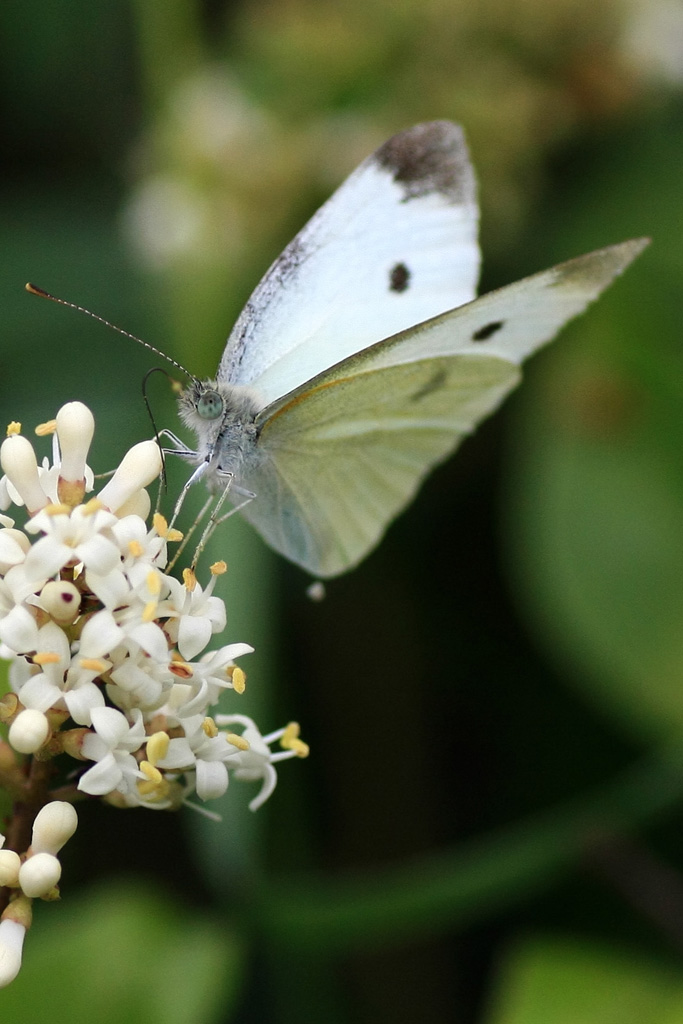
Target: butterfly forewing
<point x="395" y="245"/>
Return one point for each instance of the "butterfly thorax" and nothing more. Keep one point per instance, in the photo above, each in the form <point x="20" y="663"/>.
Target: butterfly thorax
<point x="223" y="418"/>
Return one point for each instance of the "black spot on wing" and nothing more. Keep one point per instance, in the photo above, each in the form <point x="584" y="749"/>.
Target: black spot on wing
<point x="399" y="276"/>
<point x="428" y="158"/>
<point x="435" y="382"/>
<point x="487" y="330"/>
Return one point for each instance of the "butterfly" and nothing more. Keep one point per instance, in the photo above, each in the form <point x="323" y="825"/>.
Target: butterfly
<point x="324" y="429"/>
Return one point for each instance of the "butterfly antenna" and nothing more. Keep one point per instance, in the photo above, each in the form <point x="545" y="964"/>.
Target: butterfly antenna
<point x="35" y="290"/>
<point x="157" y="436"/>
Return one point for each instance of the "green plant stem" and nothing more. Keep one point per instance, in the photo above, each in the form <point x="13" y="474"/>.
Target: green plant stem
<point x="483" y="876"/>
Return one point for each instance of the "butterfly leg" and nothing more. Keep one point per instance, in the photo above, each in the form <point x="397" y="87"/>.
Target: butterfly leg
<point x="215" y="520"/>
<point x="188" y="534"/>
<point x="179" y="447"/>
<point x="197" y="475"/>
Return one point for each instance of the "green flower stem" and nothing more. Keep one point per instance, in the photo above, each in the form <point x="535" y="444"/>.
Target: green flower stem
<point x="483" y="876"/>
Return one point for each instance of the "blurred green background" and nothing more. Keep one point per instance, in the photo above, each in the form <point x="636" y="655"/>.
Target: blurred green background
<point x="489" y="828"/>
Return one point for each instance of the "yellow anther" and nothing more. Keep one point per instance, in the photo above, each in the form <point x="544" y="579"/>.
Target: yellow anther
<point x="151" y="773"/>
<point x="189" y="579"/>
<point x="153" y="790"/>
<point x="44" y="429"/>
<point x="94" y="665"/>
<point x="135" y="548"/>
<point x="174" y="536"/>
<point x="153" y="583"/>
<point x="154" y="785"/>
<point x="239" y="679"/>
<point x="237" y="741"/>
<point x="159" y="523"/>
<point x="57" y="509"/>
<point x="290" y="740"/>
<point x="92" y="506"/>
<point x="149" y="612"/>
<point x="45" y="658"/>
<point x="218" y="568"/>
<point x="13" y="428"/>
<point x="210" y="727"/>
<point x="157" y="747"/>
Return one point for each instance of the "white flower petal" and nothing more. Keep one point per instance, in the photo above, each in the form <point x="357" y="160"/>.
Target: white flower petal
<point x="110" y="724"/>
<point x="112" y="588"/>
<point x="12" y="552"/>
<point x="100" y="635"/>
<point x="39" y="693"/>
<point x="214" y="608"/>
<point x="102" y="778"/>
<point x="194" y="634"/>
<point x="20" y="584"/>
<point x="47" y="556"/>
<point x="99" y="553"/>
<point x="82" y="700"/>
<point x="19" y="631"/>
<point x="269" y="783"/>
<point x="152" y="640"/>
<point x="179" y="755"/>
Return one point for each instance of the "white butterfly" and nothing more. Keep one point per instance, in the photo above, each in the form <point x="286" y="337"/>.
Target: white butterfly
<point x="333" y="431"/>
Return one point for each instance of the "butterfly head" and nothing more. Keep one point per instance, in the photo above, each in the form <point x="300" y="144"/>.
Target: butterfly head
<point x="223" y="418"/>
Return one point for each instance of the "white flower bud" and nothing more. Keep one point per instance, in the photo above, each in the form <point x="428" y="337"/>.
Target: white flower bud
<point x="139" y="467"/>
<point x="19" y="462"/>
<point x="62" y="601"/>
<point x="11" y="944"/>
<point x="139" y="504"/>
<point x="28" y="731"/>
<point x="75" y="429"/>
<point x="39" y="874"/>
<point x="54" y="825"/>
<point x="10" y="862"/>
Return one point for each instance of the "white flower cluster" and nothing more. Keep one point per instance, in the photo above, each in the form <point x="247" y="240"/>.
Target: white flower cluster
<point x="101" y="637"/>
<point x="108" y="661"/>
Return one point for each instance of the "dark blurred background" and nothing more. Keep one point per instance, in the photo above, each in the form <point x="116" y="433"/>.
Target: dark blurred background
<point x="489" y="825"/>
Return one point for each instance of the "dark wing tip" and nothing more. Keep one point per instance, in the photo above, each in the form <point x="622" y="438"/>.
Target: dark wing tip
<point x="428" y="158"/>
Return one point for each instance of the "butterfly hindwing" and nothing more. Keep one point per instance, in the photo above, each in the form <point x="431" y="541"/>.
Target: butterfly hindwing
<point x="339" y="463"/>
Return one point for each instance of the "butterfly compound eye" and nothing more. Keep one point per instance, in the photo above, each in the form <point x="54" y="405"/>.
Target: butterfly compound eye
<point x="210" y="405"/>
